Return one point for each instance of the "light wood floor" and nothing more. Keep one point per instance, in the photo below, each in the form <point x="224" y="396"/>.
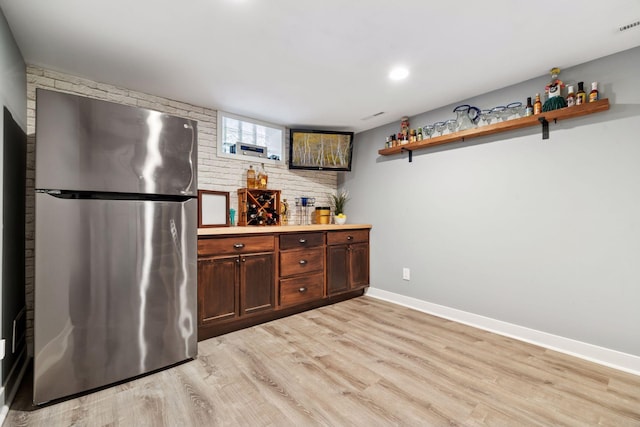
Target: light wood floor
<point x="361" y="362"/>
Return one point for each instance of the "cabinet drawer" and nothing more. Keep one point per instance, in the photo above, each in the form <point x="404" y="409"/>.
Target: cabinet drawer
<point x="305" y="261"/>
<point x="301" y="240"/>
<point x="301" y="289"/>
<point x="347" y="236"/>
<point x="236" y="245"/>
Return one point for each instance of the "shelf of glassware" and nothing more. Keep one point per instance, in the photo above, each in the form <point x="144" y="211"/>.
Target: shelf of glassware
<point x="523" y="122"/>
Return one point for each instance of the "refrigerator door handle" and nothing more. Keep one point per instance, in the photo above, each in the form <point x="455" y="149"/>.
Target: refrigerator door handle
<point x="194" y="140"/>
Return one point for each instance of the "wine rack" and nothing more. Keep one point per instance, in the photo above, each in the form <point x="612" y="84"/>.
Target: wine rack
<point x="258" y="207"/>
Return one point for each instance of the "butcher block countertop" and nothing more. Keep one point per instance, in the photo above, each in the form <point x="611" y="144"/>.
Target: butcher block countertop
<point x="254" y="229"/>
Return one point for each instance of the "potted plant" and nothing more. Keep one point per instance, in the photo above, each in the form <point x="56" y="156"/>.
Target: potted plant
<point x="338" y="201"/>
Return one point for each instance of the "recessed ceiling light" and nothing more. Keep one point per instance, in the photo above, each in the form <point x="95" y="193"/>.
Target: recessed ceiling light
<point x="398" y="73"/>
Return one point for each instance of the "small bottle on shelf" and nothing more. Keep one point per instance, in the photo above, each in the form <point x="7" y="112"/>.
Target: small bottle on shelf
<point x="537" y="106"/>
<point x="251" y="178"/>
<point x="594" y="95"/>
<point x="581" y="96"/>
<point x="571" y="97"/>
<point x="528" y="111"/>
<point x="262" y="178"/>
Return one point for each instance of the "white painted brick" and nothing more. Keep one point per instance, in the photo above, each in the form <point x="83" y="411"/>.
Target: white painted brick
<point x="70" y="79"/>
<point x="41" y="81"/>
<point x="116" y="97"/>
<point x="114" y="90"/>
<point x="185" y="106"/>
<point x="199" y="116"/>
<point x="33" y="70"/>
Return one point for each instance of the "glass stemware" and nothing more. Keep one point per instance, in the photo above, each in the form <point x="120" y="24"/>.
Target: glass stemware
<point x="499" y="112"/>
<point x="428" y="130"/>
<point x="440" y="127"/>
<point x="452" y="125"/>
<point x="486" y="116"/>
<point x="515" y="109"/>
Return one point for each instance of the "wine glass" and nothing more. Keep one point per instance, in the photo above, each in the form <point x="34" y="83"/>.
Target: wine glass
<point x="440" y="127"/>
<point x="452" y="124"/>
<point x="486" y="116"/>
<point x="499" y="112"/>
<point x="515" y="109"/>
<point x="428" y="130"/>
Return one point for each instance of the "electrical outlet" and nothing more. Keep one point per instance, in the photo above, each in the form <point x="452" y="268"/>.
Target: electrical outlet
<point x="406" y="273"/>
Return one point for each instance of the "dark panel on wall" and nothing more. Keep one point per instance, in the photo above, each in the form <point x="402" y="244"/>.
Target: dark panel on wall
<point x="13" y="238"/>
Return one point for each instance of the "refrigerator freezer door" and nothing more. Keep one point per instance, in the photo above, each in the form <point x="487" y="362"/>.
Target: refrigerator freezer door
<point x="86" y="144"/>
<point x="115" y="291"/>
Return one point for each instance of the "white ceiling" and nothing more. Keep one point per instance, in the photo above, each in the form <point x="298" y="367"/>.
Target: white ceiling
<point x="320" y="63"/>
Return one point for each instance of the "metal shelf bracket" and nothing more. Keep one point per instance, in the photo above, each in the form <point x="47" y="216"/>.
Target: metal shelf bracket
<point x="545" y="127"/>
<point x="410" y="153"/>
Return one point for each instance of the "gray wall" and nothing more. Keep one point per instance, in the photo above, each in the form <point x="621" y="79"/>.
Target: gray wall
<point x="541" y="234"/>
<point x="13" y="89"/>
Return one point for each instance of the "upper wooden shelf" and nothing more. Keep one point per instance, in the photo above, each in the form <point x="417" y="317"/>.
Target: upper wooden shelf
<point x="523" y="122"/>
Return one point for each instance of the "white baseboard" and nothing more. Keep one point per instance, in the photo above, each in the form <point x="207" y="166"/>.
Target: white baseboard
<point x="603" y="356"/>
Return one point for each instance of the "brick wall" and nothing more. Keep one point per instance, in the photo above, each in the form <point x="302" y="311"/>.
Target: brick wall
<point x="221" y="174"/>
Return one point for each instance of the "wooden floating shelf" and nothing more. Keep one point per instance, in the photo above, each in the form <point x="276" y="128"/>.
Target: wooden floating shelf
<point x="523" y="122"/>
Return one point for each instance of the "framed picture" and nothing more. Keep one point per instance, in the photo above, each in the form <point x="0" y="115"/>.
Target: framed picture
<point x="213" y="208"/>
<point x="320" y="150"/>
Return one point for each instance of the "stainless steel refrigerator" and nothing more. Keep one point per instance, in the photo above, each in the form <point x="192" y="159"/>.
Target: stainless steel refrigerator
<point x="115" y="243"/>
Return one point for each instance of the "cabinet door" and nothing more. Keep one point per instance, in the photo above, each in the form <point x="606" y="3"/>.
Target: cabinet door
<point x="257" y="280"/>
<point x="359" y="265"/>
<point x="217" y="289"/>
<point x="337" y="269"/>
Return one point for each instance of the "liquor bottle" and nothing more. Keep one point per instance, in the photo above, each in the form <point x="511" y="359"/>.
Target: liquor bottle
<point x="284" y="212"/>
<point x="262" y="178"/>
<point x="581" y="96"/>
<point x="528" y="111"/>
<point x="537" y="106"/>
<point x="251" y="178"/>
<point x="593" y="95"/>
<point x="571" y="97"/>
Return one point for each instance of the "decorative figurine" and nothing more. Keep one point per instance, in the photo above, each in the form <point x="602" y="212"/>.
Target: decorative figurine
<point x="554" y="91"/>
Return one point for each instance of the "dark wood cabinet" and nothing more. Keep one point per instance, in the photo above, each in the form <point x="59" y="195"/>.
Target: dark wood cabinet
<point x="338" y="269"/>
<point x="217" y="289"/>
<point x="232" y="280"/>
<point x="302" y="268"/>
<point x="359" y="265"/>
<point x="347" y="260"/>
<point x="246" y="278"/>
<point x="257" y="291"/>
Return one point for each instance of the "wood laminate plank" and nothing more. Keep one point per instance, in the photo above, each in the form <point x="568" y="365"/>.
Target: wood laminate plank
<point x="361" y="362"/>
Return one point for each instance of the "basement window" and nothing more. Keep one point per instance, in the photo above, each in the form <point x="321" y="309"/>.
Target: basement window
<point x="244" y="138"/>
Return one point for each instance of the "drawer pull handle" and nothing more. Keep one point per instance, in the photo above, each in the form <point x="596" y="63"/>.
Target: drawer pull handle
<point x="302" y="241"/>
<point x="349" y="237"/>
<point x="302" y="290"/>
<point x="238" y="245"/>
<point x="303" y="261"/>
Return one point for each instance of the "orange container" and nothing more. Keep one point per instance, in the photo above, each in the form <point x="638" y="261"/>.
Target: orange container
<point x="323" y="215"/>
